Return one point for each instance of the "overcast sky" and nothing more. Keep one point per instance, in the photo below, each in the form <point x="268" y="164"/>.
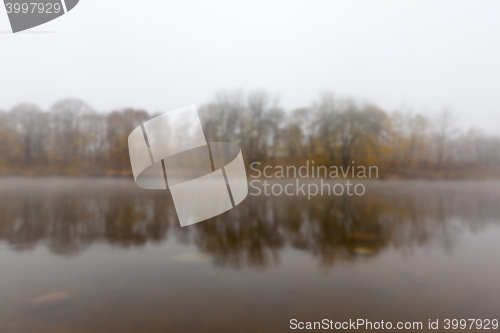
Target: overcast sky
<point x="162" y="55"/>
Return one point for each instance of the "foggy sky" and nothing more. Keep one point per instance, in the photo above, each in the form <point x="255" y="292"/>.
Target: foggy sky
<point x="162" y="55"/>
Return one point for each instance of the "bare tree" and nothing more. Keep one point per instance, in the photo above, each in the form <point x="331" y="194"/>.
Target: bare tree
<point x="32" y="126"/>
<point x="67" y="132"/>
<point x="445" y="127"/>
<point x="326" y="117"/>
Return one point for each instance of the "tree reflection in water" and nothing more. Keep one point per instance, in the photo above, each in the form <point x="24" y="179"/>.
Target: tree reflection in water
<point x="68" y="216"/>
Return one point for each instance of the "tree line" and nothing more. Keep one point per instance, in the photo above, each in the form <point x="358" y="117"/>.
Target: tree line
<point x="71" y="138"/>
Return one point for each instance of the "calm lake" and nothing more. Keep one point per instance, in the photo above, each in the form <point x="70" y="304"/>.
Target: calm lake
<point x="102" y="255"/>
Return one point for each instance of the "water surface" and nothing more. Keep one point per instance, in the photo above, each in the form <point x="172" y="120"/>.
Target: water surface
<point x="117" y="260"/>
